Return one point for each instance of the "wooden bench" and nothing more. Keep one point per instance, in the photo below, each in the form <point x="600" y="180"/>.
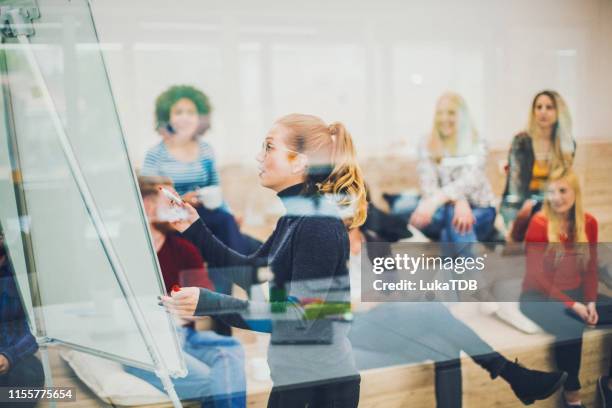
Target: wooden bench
<point x="413" y="385"/>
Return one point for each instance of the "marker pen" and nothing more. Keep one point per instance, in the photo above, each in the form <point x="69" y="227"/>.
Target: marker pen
<point x="170" y="195"/>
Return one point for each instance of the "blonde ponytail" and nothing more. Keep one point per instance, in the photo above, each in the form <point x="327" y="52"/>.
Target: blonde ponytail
<point x="333" y="147"/>
<point x="346" y="179"/>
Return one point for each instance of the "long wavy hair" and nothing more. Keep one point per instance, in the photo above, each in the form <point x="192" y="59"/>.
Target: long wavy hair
<point x="562" y="137"/>
<point x="575" y="219"/>
<point x="333" y="167"/>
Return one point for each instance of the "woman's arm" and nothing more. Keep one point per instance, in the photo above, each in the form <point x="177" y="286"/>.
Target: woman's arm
<point x="217" y="254"/>
<point x="536" y="246"/>
<point x="194" y="301"/>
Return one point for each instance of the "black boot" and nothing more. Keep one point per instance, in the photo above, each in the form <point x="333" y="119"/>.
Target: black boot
<point x="604" y="392"/>
<point x="531" y="385"/>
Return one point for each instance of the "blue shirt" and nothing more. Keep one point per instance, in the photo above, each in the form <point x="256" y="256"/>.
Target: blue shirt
<point x="16" y="340"/>
<point x="186" y="176"/>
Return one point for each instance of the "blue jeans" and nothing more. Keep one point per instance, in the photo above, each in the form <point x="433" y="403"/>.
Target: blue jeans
<point x="441" y="225"/>
<point x="215" y="370"/>
<point x="455" y="243"/>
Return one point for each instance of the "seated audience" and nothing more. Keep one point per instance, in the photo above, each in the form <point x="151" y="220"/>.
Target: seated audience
<point x="560" y="284"/>
<point x="536" y="152"/>
<point x="215" y="363"/>
<point x="19" y="367"/>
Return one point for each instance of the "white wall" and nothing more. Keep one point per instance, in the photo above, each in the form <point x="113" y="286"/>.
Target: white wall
<point x="378" y="66"/>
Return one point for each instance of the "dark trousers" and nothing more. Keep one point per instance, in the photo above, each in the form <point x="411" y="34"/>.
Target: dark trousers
<point x="337" y="393"/>
<point x="401" y="333"/>
<point x="555" y="318"/>
<point x="27" y="373"/>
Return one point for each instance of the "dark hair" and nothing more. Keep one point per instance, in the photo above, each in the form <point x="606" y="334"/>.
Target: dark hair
<point x="165" y="101"/>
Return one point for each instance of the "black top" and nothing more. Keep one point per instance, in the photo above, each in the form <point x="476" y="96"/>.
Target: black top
<point x="520" y="170"/>
<point x="307" y="253"/>
<point x="309" y="242"/>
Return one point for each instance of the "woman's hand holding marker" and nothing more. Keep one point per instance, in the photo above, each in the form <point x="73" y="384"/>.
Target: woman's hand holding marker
<point x="192" y="214"/>
<point x="173" y="197"/>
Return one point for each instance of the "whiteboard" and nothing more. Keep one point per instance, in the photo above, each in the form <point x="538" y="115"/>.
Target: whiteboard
<point x="81" y="302"/>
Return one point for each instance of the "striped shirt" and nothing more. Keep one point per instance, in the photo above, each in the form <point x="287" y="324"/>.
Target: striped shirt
<point x="16" y="340"/>
<point x="186" y="176"/>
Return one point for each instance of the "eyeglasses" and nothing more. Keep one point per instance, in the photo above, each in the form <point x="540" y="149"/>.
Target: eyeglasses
<point x="267" y="147"/>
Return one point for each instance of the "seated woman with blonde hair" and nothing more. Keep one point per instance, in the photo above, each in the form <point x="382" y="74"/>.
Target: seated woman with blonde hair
<point x="457" y="203"/>
<point x="560" y="284"/>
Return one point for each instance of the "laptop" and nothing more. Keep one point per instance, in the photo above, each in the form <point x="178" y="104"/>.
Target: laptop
<point x="319" y="331"/>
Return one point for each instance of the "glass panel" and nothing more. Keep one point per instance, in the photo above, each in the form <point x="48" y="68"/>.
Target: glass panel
<point x="88" y="309"/>
<point x="10" y="226"/>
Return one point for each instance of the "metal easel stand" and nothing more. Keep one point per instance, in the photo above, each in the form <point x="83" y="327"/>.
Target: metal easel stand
<point x="19" y="25"/>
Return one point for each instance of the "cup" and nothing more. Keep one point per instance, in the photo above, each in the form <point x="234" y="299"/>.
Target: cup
<point x="211" y="197"/>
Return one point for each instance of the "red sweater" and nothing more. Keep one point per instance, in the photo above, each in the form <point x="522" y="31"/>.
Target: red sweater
<point x="552" y="276"/>
<point x="181" y="264"/>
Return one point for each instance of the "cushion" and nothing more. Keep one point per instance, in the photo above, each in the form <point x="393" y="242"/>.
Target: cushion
<point x="110" y="382"/>
<point x="510" y="313"/>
